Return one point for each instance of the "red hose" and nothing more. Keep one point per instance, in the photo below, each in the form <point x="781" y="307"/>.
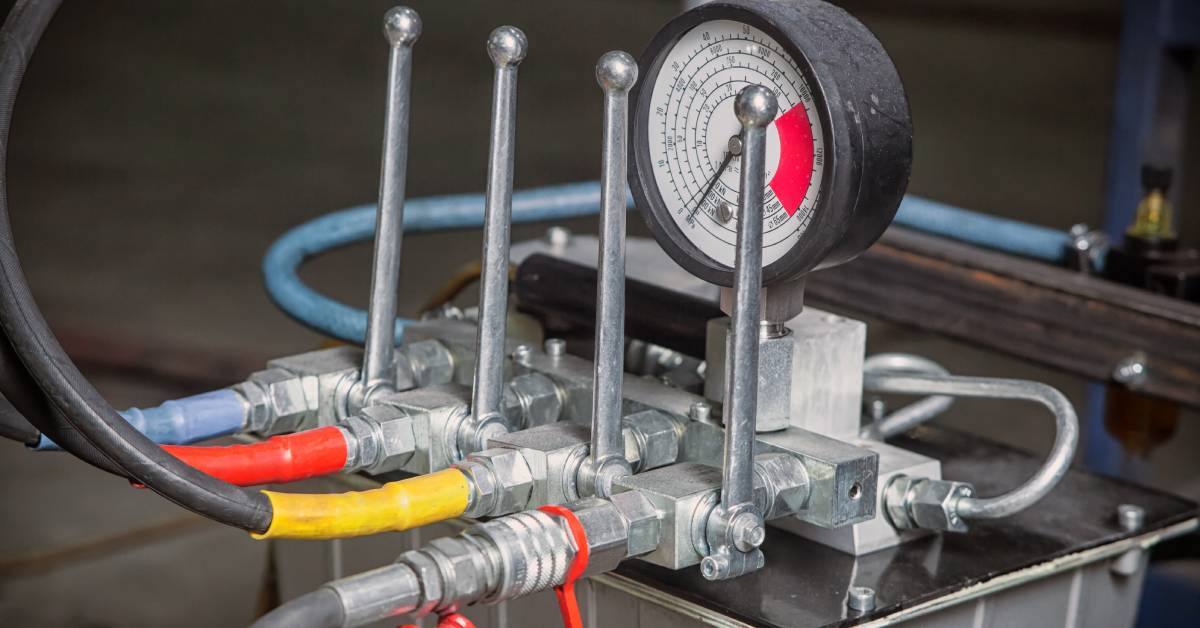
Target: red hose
<point x="288" y="458"/>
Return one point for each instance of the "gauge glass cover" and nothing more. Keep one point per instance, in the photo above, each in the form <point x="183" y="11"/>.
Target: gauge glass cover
<point x="692" y="122"/>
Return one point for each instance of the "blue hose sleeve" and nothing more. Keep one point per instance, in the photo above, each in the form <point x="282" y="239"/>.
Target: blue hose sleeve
<point x="183" y="421"/>
<point x="357" y="224"/>
<point x="1010" y="236"/>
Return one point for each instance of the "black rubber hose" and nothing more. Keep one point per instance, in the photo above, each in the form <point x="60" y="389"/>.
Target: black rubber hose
<point x="29" y="407"/>
<point x="13" y="426"/>
<point x="64" y="386"/>
<point x="316" y="609"/>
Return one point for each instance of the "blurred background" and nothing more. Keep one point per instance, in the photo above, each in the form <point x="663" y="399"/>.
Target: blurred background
<point x="158" y="148"/>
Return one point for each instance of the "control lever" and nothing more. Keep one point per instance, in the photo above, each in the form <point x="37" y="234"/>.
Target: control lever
<point x="402" y="27"/>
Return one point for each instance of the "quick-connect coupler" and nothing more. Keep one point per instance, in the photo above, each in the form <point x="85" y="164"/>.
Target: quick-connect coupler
<point x="500" y="560"/>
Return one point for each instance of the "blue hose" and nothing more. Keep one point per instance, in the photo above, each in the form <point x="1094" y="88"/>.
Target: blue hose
<point x="357" y="224"/>
<point x="559" y="202"/>
<point x="182" y="421"/>
<point x="1010" y="236"/>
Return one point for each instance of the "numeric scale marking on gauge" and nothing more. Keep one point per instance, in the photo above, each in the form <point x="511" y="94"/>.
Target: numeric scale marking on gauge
<point x="693" y="109"/>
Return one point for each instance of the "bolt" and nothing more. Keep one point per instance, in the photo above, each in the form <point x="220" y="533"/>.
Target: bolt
<point x="877" y="409"/>
<point x="726" y="212"/>
<point x="710" y="568"/>
<point x="555" y="347"/>
<point x="748" y="531"/>
<point x="558" y="237"/>
<point x="521" y="354"/>
<point x="700" y="411"/>
<point x="861" y="599"/>
<point x="1131" y="371"/>
<point x="1131" y="517"/>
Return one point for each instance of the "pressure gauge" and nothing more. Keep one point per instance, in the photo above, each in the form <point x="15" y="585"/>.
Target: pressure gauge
<point x="838" y="153"/>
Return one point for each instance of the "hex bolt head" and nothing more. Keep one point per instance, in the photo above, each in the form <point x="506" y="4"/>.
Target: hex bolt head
<point x="1131" y="517"/>
<point x="748" y="531"/>
<point x="555" y="347"/>
<point x="507" y="46"/>
<point x="401" y="26"/>
<point x="714" y="567"/>
<point x="861" y="599"/>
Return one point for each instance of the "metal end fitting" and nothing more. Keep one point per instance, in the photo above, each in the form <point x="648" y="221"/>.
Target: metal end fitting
<point x="378" y="439"/>
<point x="278" y="400"/>
<point x="652" y="440"/>
<point x="925" y="503"/>
<point x="785" y="483"/>
<point x="501" y="482"/>
<point x="531" y="400"/>
<point x="430" y="362"/>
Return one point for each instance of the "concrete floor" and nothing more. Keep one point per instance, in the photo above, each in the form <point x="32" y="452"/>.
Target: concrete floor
<point x="158" y="149"/>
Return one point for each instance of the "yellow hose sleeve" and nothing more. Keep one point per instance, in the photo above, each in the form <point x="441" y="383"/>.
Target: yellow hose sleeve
<point x="393" y="507"/>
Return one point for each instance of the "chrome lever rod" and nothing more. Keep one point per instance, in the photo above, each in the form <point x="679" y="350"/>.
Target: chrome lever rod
<point x="756" y="108"/>
<point x="402" y="27"/>
<point x="616" y="73"/>
<point x="735" y="529"/>
<point x="507" y="47"/>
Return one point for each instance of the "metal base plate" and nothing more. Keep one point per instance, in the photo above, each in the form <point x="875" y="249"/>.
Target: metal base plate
<point x="805" y="584"/>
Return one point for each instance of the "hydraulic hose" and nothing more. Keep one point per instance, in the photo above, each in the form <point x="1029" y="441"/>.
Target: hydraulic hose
<point x="183" y="421"/>
<point x="31" y="406"/>
<point x="558" y="202"/>
<point x="316" y="609"/>
<point x="67" y="391"/>
<point x="357" y="224"/>
<point x="279" y="459"/>
<point x="393" y="507"/>
<point x="993" y="232"/>
<point x="14" y="427"/>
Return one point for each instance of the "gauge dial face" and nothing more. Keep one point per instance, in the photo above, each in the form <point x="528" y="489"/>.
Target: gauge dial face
<point x="693" y="139"/>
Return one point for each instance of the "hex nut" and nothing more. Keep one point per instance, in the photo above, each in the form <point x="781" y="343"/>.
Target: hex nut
<point x="428" y="575"/>
<point x="786" y="482"/>
<point x="397" y="437"/>
<point x="483" y="487"/>
<point x="513" y="478"/>
<point x="926" y="503"/>
<point x="465" y="569"/>
<point x="431" y="363"/>
<point x="651" y="440"/>
<point x="283" y="402"/>
<point x="531" y="400"/>
<point x="644" y="527"/>
<point x="607" y="533"/>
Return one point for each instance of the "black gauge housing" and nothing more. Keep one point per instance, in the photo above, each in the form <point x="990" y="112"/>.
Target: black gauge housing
<point x="864" y="111"/>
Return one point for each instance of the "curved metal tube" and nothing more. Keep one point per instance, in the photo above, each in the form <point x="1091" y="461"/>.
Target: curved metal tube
<point x="913" y="414"/>
<point x="1053" y="469"/>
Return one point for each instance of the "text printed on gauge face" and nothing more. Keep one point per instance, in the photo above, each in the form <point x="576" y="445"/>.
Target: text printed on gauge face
<point x="694" y="139"/>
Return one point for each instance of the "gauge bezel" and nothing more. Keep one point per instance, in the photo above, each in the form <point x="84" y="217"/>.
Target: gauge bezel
<point x="825" y="241"/>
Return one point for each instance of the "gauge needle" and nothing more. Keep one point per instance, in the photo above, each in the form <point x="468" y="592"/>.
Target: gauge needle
<point x="735" y="149"/>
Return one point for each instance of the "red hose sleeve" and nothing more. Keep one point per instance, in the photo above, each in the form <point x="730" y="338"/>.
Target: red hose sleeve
<point x="287" y="458"/>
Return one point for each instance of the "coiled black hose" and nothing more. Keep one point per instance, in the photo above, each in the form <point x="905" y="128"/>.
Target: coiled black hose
<point x="65" y="388"/>
<point x="26" y="408"/>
